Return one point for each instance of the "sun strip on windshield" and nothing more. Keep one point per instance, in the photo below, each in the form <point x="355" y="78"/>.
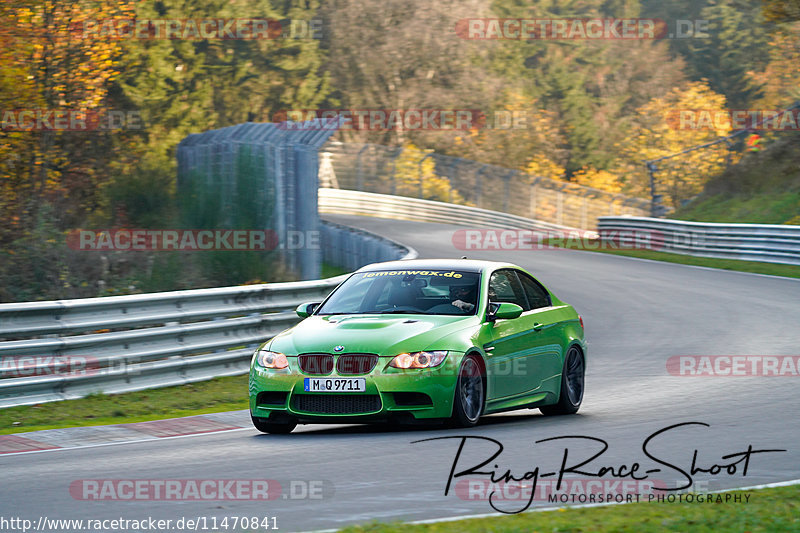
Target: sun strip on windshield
<point x="433" y="273"/>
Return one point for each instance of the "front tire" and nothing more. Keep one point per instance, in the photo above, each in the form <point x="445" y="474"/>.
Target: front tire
<point x="572" y="385"/>
<point x="275" y="428"/>
<point x="470" y="393"/>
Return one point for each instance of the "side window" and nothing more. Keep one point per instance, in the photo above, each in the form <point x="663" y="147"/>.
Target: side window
<point x="505" y="287"/>
<point x="537" y="295"/>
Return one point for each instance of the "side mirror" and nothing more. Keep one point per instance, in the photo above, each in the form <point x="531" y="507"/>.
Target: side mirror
<point x="304" y="310"/>
<point x="503" y="311"/>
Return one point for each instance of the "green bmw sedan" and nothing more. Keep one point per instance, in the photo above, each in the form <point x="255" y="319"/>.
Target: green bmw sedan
<point x="445" y="340"/>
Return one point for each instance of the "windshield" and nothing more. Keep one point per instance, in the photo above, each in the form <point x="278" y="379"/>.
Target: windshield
<point x="429" y="292"/>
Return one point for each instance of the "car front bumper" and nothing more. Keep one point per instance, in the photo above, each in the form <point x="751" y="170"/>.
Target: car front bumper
<point x="390" y="394"/>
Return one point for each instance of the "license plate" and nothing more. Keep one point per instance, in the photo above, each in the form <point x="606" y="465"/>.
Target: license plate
<point x="335" y="384"/>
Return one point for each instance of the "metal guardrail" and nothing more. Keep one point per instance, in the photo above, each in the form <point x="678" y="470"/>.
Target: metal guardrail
<point x="352" y="248"/>
<point x="346" y="202"/>
<point x="770" y="243"/>
<point x="396" y="170"/>
<point x="125" y="343"/>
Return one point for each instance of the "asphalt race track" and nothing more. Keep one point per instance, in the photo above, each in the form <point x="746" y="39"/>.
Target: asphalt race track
<point x="637" y="315"/>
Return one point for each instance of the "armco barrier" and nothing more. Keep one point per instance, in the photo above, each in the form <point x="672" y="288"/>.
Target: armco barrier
<point x="346" y="202"/>
<point x="153" y="340"/>
<point x="770" y="243"/>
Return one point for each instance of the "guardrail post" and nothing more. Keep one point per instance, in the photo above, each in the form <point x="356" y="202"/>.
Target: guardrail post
<point x="506" y="189"/>
<point x="533" y="195"/>
<point x="478" y="184"/>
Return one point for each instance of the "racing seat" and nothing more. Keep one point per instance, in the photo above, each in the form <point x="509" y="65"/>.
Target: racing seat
<point x="404" y="296"/>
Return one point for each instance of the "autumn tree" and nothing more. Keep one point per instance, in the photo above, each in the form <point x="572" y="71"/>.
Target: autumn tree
<point x="48" y="66"/>
<point x="686" y="117"/>
<point x="190" y="85"/>
<point x="781" y="10"/>
<point x="779" y="80"/>
<point x="415" y="176"/>
<point x="592" y="86"/>
<point x="395" y="54"/>
<point x="516" y="133"/>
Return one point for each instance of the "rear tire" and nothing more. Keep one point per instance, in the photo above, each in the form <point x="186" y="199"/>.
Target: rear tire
<point x="470" y="394"/>
<point x="572" y="385"/>
<point x="275" y="428"/>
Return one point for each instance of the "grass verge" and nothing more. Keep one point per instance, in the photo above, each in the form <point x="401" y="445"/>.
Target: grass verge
<point x="774" y="509"/>
<point x="221" y="394"/>
<point x="781" y="207"/>
<point x="330" y="271"/>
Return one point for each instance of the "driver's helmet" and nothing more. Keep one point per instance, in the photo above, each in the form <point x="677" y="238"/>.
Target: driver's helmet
<point x="466" y="292"/>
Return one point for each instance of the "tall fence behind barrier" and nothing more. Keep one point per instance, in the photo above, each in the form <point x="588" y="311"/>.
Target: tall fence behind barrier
<point x="257" y="176"/>
<point x="388" y="170"/>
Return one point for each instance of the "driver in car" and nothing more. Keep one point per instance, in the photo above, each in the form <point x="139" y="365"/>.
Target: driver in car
<point x="464" y="297"/>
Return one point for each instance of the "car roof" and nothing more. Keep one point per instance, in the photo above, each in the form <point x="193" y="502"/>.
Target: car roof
<point x="464" y="265"/>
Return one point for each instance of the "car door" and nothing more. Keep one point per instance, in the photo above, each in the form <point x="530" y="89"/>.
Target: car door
<point x="544" y="362"/>
<point x="512" y="342"/>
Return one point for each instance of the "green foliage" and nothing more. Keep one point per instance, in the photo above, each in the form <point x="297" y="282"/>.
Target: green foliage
<point x="143" y="197"/>
<point x="193" y="85"/>
<point x="737" y="43"/>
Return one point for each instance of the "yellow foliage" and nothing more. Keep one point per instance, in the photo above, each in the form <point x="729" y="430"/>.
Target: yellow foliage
<point x="47" y="65"/>
<point x="659" y="130"/>
<point x="780" y="81"/>
<point x="519" y="133"/>
<point x="542" y="166"/>
<point x="599" y="179"/>
<point x="409" y="171"/>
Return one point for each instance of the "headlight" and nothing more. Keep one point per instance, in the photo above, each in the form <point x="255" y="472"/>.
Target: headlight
<point x="419" y="359"/>
<point x="269" y="359"/>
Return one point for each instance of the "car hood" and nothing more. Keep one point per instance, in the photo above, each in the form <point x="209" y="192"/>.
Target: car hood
<point x="381" y="334"/>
